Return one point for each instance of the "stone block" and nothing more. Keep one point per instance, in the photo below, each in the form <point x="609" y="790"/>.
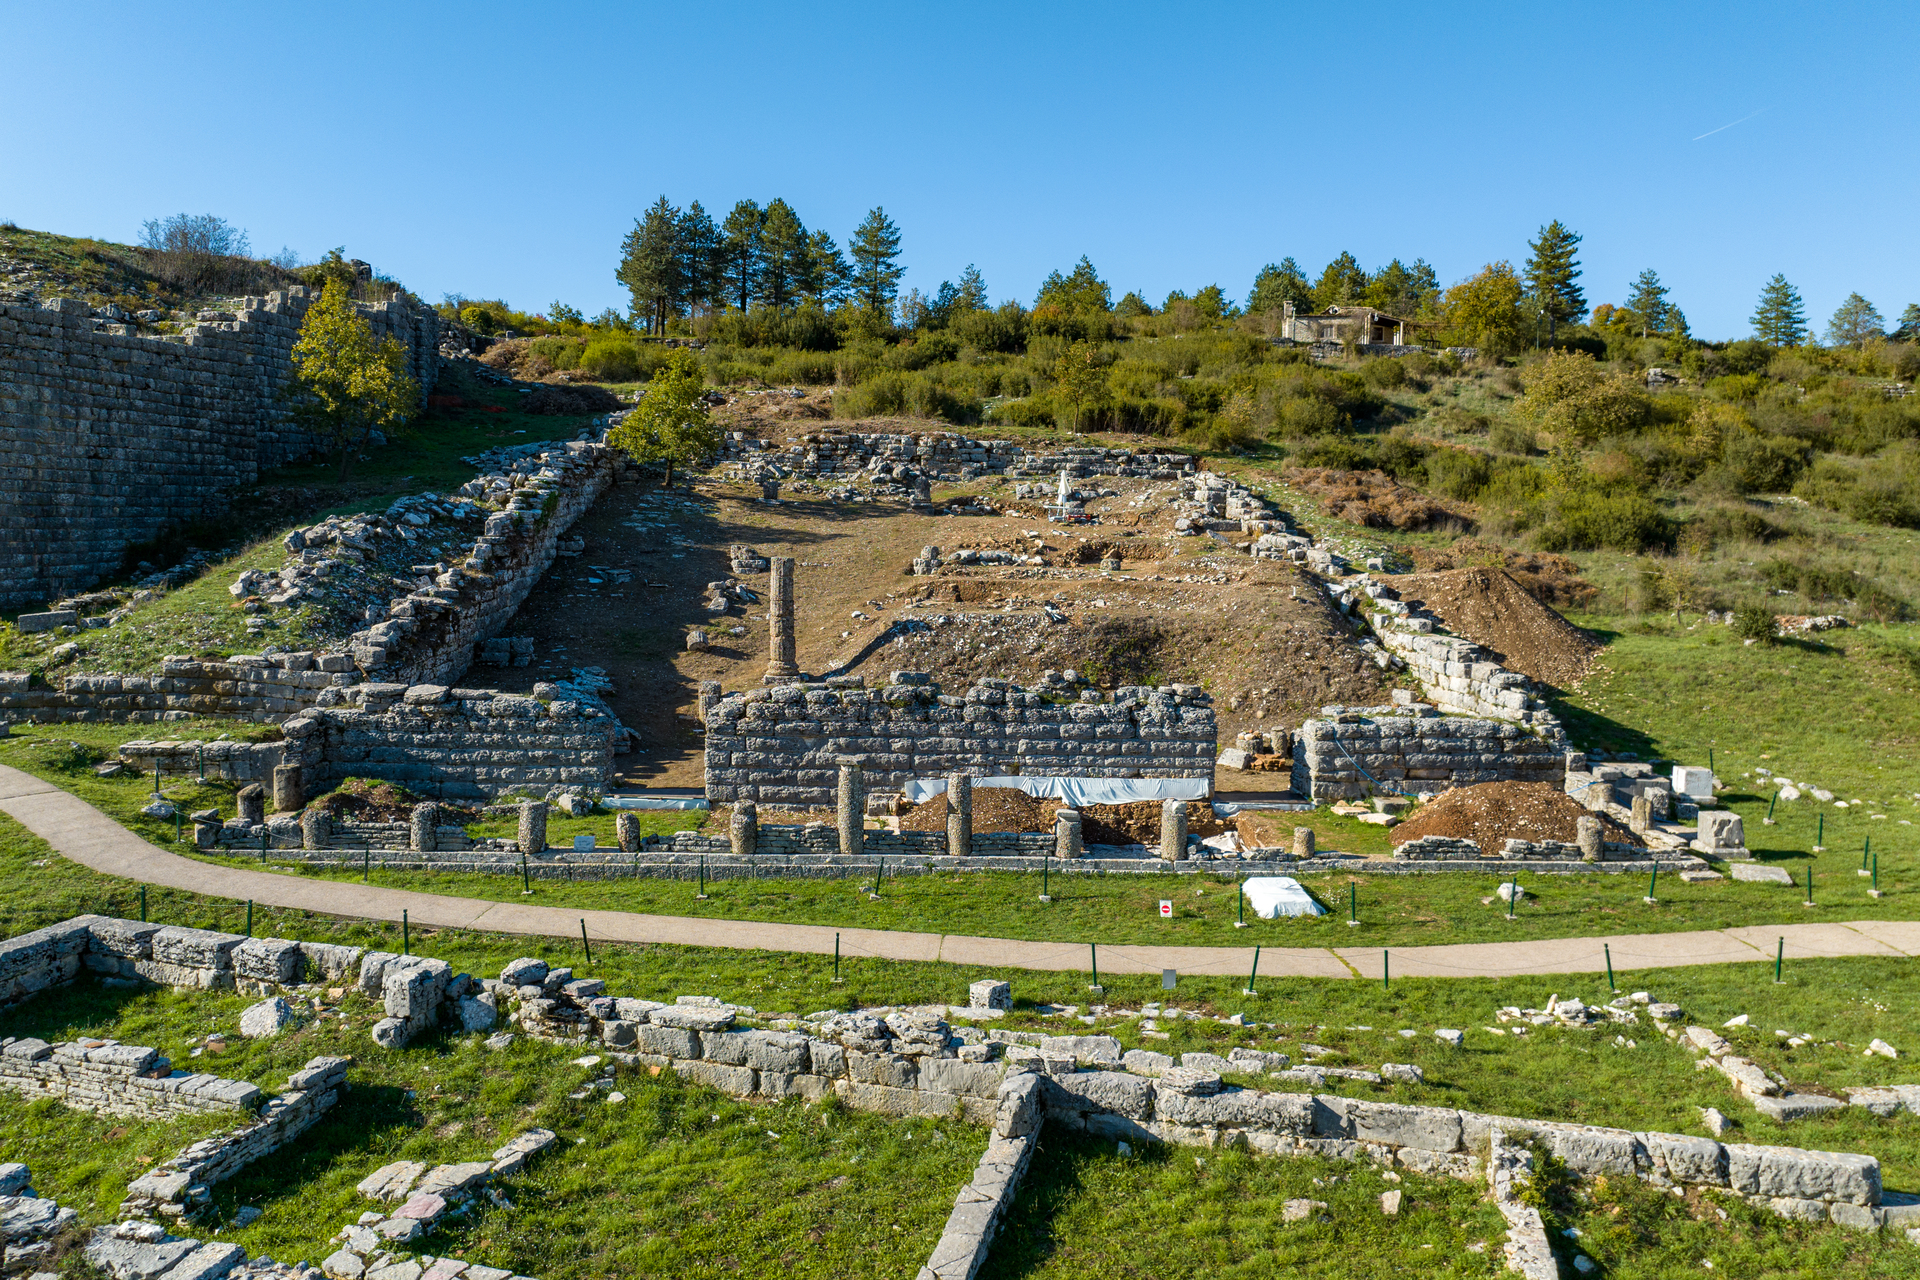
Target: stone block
<point x="1813" y="1175"/>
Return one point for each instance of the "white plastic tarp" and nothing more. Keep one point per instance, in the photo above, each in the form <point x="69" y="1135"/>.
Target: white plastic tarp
<point x="1272" y="896"/>
<point x="653" y="802"/>
<point x="1077" y="792"/>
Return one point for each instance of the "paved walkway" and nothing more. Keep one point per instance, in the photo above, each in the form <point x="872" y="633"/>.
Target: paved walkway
<point x="84" y="834"/>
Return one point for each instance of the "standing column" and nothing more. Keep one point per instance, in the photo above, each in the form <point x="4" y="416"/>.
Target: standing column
<point x="423" y="828"/>
<point x="1591" y="837"/>
<point x="960" y="815"/>
<point x="743" y="829"/>
<point x="1068" y="840"/>
<point x="851" y="806"/>
<point x="533" y="827"/>
<point x="780" y="665"/>
<point x="1173" y="830"/>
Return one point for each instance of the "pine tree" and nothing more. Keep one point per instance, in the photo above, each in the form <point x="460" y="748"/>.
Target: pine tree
<point x="1647" y="298"/>
<point x="1082" y="289"/>
<point x="740" y="249"/>
<point x="1909" y="329"/>
<point x="1781" y="319"/>
<point x="700" y="261"/>
<point x="651" y="266"/>
<point x="875" y="250"/>
<point x="1553" y="274"/>
<point x="783" y="256"/>
<point x="1340" y="284"/>
<point x="826" y="275"/>
<point x="1853" y="322"/>
<point x="972" y="292"/>
<point x="1278" y="283"/>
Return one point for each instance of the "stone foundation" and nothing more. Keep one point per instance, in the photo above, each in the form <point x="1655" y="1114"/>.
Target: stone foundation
<point x="1362" y="751"/>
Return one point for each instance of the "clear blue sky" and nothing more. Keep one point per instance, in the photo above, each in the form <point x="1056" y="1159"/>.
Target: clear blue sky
<point x="503" y="150"/>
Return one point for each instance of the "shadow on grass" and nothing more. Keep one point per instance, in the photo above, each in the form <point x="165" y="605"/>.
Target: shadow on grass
<point x="1030" y="1234"/>
<point x="63" y="1012"/>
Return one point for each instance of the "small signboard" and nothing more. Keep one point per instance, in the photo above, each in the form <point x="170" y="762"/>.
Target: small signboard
<point x="582" y="844"/>
<point x="1169" y="978"/>
<point x="1166" y="908"/>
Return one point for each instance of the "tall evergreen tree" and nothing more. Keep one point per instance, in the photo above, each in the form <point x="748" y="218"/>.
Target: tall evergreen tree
<point x="740" y="252"/>
<point x="1553" y="276"/>
<point x="1781" y="319"/>
<point x="783" y="256"/>
<point x="1854" y="321"/>
<point x="826" y="276"/>
<point x="1082" y="289"/>
<point x="701" y="263"/>
<point x="971" y="295"/>
<point x="1909" y="328"/>
<point x="1280" y="282"/>
<point x="651" y="266"/>
<point x="875" y="249"/>
<point x="1340" y="284"/>
<point x="1647" y="299"/>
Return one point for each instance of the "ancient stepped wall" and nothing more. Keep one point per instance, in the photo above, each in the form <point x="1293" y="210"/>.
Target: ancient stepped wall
<point x="784" y="745"/>
<point x="947" y="454"/>
<point x="108" y="437"/>
<point x="1354" y="752"/>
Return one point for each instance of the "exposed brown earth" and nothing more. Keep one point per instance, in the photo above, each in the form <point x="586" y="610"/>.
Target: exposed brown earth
<point x="1490" y="608"/>
<point x="1492" y="813"/>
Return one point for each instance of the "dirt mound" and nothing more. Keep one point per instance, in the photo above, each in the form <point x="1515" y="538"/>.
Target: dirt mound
<point x="1376" y="500"/>
<point x="556" y="399"/>
<point x="1488" y="607"/>
<point x="1494" y="812"/>
<point x="1552" y="580"/>
<point x="1139" y="822"/>
<point x="994" y="809"/>
<point x="357" y="800"/>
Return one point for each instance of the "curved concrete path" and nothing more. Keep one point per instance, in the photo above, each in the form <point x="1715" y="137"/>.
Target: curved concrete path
<point x="85" y="835"/>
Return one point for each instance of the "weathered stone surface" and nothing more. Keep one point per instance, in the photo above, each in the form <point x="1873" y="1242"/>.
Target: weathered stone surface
<point x="268" y="1018"/>
<point x="454" y="1181"/>
<point x="1119" y="1092"/>
<point x="391" y="1183"/>
<point x="1811" y="1175"/>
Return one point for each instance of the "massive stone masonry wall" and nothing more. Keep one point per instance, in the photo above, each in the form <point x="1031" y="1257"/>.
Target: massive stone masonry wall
<point x="913" y="1063"/>
<point x="452" y="743"/>
<point x="945" y="454"/>
<point x="1361" y="751"/>
<point x="108" y="437"/>
<point x="783" y="745"/>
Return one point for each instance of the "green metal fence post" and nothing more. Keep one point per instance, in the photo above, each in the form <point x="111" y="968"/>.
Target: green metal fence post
<point x="1095" y="950"/>
<point x="406" y="935"/>
<point x="1779" y="958"/>
<point x="1611" y="984"/>
<point x="1386" y="981"/>
<point x="836" y="957"/>
<point x="1256" y="972"/>
<point x="584" y="944"/>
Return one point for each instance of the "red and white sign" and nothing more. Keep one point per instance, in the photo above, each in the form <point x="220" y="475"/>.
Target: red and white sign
<point x="1166" y="908"/>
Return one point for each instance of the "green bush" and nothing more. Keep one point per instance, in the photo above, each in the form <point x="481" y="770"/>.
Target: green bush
<point x="1384" y="372"/>
<point x="1458" y="473"/>
<point x="807" y="368"/>
<point x="611" y="359"/>
<point x="1762" y="463"/>
<point x="1585" y="520"/>
<point x="1311" y="416"/>
<point x="1004" y="330"/>
<point x="892" y="393"/>
<point x="1888" y="495"/>
<point x="560" y="353"/>
<point x="1754" y="622"/>
<point x="1820" y="584"/>
<point x="1513" y="437"/>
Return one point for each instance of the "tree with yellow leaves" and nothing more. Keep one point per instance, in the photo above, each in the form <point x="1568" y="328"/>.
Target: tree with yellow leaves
<point x="346" y="383"/>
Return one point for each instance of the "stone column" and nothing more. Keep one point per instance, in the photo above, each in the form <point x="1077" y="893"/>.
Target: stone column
<point x="709" y="694"/>
<point x="960" y="815"/>
<point x="1303" y="842"/>
<point x="1173" y="830"/>
<point x="1588" y="834"/>
<point x="252" y="800"/>
<point x="423" y="835"/>
<point x="1598" y="796"/>
<point x="1642" y="813"/>
<point x="850" y="802"/>
<point x="533" y="827"/>
<point x="743" y="829"/>
<point x="316" y="829"/>
<point x="1067" y="839"/>
<point x="289" y="788"/>
<point x="626" y="826"/>
<point x="780" y="664"/>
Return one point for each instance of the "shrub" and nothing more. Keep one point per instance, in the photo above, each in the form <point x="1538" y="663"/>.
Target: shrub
<point x="611" y="359"/>
<point x="1004" y="330"/>
<point x="1384" y="373"/>
<point x="1761" y="463"/>
<point x="1754" y="622"/>
<point x="1572" y="395"/>
<point x="809" y="368"/>
<point x="1311" y="416"/>
<point x="1513" y="437"/>
<point x="1585" y="520"/>
<point x="1888" y="494"/>
<point x="1458" y="473"/>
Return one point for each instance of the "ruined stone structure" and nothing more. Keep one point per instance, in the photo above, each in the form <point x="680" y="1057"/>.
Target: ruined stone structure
<point x="1354" y="752"/>
<point x="108" y="437"/>
<point x="784" y="745"/>
<point x="780" y="652"/>
<point x="946" y="454"/>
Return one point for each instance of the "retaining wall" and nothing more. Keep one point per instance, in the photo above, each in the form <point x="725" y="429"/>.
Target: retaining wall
<point x="117" y="1079"/>
<point x="947" y="454"/>
<point x="783" y="745"/>
<point x="1355" y="752"/>
<point x="1459" y="678"/>
<point x="108" y="437"/>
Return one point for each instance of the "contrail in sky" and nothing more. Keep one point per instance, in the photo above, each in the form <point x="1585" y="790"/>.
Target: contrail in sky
<point x="1742" y="120"/>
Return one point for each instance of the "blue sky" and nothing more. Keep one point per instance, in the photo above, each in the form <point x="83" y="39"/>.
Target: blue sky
<point x="503" y="150"/>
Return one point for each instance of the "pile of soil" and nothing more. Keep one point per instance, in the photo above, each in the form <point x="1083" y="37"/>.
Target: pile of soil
<point x="552" y="398"/>
<point x="1488" y="607"/>
<point x="1493" y="813"/>
<point x="1552" y="580"/>
<point x="1376" y="500"/>
<point x="994" y="809"/>
<point x="1139" y="822"/>
<point x="358" y="800"/>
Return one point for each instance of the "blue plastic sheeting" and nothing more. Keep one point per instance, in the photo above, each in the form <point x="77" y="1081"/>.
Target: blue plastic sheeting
<point x="1078" y="792"/>
<point x="653" y="802"/>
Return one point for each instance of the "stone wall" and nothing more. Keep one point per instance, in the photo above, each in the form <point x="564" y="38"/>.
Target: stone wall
<point x="117" y="1079"/>
<point x="783" y="745"/>
<point x="108" y="437"/>
<point x="1459" y="678"/>
<point x="946" y="454"/>
<point x="243" y="687"/>
<point x="452" y="743"/>
<point x="1362" y="751"/>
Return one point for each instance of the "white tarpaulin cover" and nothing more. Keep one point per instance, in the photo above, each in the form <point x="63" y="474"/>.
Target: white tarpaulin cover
<point x="1077" y="792"/>
<point x="1271" y="896"/>
<point x="653" y="802"/>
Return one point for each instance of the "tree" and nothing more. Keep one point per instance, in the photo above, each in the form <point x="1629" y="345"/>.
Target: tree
<point x="1647" y="299"/>
<point x="1484" y="311"/>
<point x="740" y="253"/>
<point x="1341" y="283"/>
<point x="346" y="384"/>
<point x="1279" y="283"/>
<point x="783" y="256"/>
<point x="971" y="295"/>
<point x="1553" y="274"/>
<point x="1854" y="321"/>
<point x="190" y="247"/>
<point x="702" y="266"/>
<point x="1780" y="320"/>
<point x="1576" y="398"/>
<point x="1080" y="382"/>
<point x="826" y="278"/>
<point x="561" y="313"/>
<point x="1909" y="329"/>
<point x="652" y="266"/>
<point x="875" y="250"/>
<point x="1214" y="304"/>
<point x="1396" y="288"/>
<point x="670" y="424"/>
<point x="1082" y="289"/>
<point x="1131" y="306"/>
